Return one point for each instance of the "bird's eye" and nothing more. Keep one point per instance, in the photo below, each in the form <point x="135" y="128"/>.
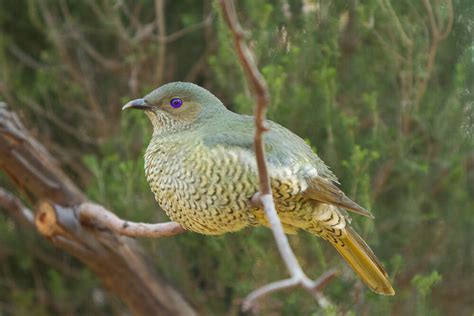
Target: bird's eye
<point x="176" y="102"/>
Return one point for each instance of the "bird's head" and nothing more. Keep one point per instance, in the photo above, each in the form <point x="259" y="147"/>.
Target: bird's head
<point x="178" y="105"/>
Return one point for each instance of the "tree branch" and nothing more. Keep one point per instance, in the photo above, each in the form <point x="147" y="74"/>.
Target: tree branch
<point x="404" y="38"/>
<point x="15" y="207"/>
<point x="161" y="25"/>
<point x="117" y="260"/>
<point x="184" y="31"/>
<point x="264" y="198"/>
<point x="437" y="36"/>
<point x="97" y="216"/>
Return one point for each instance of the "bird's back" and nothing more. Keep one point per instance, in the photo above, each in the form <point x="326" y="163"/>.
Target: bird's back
<point x="283" y="148"/>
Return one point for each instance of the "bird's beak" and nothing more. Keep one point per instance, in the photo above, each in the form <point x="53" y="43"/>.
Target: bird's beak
<point x="139" y="104"/>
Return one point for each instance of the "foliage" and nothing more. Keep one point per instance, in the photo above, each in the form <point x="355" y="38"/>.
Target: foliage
<point x="347" y="76"/>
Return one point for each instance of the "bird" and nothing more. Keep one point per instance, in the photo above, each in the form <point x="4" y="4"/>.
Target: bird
<point x="200" y="165"/>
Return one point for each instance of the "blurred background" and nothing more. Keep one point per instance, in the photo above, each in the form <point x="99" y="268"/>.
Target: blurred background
<point x="382" y="90"/>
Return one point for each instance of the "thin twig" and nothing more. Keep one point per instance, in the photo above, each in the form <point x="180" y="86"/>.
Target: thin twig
<point x="449" y="25"/>
<point x="161" y="25"/>
<point x="437" y="36"/>
<point x="250" y="301"/>
<point x="55" y="31"/>
<point x="387" y="7"/>
<point x="15" y="207"/>
<point x="257" y="82"/>
<point x="432" y="19"/>
<point x="187" y="30"/>
<point x="23" y="57"/>
<point x="264" y="197"/>
<point x="98" y="216"/>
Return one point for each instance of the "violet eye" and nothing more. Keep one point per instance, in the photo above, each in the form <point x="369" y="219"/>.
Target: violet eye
<point x="176" y="102"/>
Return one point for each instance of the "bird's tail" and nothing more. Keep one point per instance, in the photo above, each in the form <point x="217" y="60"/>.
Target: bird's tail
<point x="364" y="262"/>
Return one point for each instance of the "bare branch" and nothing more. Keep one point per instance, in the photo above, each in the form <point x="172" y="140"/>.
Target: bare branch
<point x="96" y="215"/>
<point x="74" y="31"/>
<point x="161" y="25"/>
<point x="15" y="207"/>
<point x="264" y="198"/>
<point x="390" y="49"/>
<point x="436" y="37"/>
<point x="258" y="84"/>
<point x="49" y="115"/>
<point x="194" y="27"/>
<point x="105" y="62"/>
<point x="110" y="255"/>
<point x="117" y="260"/>
<point x="31" y="165"/>
<point x="55" y="30"/>
<point x="26" y="59"/>
<point x="449" y="25"/>
<point x="432" y="19"/>
<point x="405" y="39"/>
<point x="201" y="66"/>
<point x="250" y="301"/>
<point x="435" y="20"/>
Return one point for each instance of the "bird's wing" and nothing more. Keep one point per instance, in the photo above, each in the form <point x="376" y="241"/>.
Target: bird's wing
<point x="324" y="191"/>
<point x="284" y="149"/>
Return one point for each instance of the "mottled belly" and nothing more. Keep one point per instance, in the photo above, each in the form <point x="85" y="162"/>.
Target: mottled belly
<point x="213" y="209"/>
<point x="206" y="208"/>
<point x="211" y="193"/>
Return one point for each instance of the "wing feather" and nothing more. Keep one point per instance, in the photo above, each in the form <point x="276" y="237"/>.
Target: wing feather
<point x="284" y="149"/>
<point x="324" y="191"/>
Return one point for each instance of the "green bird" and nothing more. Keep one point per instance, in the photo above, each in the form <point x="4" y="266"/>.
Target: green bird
<point x="200" y="165"/>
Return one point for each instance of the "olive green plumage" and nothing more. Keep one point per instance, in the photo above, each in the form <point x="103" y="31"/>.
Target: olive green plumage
<point x="201" y="167"/>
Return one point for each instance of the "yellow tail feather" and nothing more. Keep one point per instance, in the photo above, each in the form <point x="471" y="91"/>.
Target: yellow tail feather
<point x="364" y="262"/>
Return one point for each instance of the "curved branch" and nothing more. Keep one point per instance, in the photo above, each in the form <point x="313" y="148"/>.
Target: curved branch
<point x="95" y="215"/>
<point x="264" y="198"/>
<point x="251" y="300"/>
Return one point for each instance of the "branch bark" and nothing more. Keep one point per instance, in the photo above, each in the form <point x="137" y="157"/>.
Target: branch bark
<point x="437" y="35"/>
<point x="70" y="222"/>
<point x="161" y="25"/>
<point x="15" y="208"/>
<point x="97" y="216"/>
<point x="264" y="198"/>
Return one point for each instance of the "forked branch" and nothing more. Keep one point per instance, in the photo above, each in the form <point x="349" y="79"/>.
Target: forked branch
<point x="264" y="197"/>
